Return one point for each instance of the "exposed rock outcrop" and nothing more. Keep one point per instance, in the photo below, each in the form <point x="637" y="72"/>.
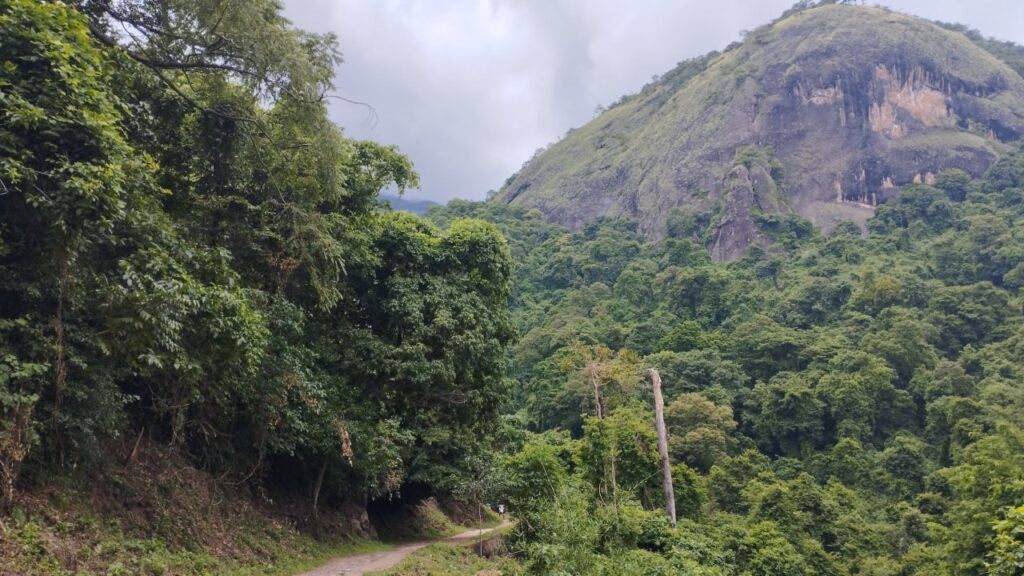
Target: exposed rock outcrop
<point x="854" y="102"/>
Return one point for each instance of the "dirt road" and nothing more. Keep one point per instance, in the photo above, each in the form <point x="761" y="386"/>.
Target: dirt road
<point x="362" y="563"/>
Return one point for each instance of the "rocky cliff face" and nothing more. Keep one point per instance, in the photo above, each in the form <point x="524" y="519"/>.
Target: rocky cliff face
<point x="743" y="194"/>
<point x="853" y="102"/>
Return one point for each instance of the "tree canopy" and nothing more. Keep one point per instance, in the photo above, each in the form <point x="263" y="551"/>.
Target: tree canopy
<point x="838" y="404"/>
<point x="190" y="248"/>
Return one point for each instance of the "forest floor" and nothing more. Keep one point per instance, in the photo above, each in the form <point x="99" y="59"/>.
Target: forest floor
<point x="359" y="564"/>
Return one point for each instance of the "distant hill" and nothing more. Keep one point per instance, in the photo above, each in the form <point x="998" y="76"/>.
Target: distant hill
<point x="400" y="204"/>
<point x="822" y="114"/>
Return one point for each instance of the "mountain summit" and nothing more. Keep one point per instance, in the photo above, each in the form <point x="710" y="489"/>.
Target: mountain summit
<point x="824" y="113"/>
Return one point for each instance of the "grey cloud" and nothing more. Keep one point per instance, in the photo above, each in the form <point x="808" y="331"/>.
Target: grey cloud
<point x="470" y="88"/>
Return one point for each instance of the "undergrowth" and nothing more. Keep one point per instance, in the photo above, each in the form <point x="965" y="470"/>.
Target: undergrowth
<point x="158" y="516"/>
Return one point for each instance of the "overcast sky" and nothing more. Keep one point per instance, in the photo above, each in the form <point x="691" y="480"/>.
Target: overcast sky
<point x="468" y="89"/>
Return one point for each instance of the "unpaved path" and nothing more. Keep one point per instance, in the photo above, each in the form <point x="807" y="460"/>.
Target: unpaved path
<point x="361" y="563"/>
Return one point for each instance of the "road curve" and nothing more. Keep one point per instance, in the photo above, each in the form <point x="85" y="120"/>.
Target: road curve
<point x="359" y="564"/>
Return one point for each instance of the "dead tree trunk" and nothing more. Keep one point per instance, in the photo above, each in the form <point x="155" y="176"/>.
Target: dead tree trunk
<point x="666" y="465"/>
<point x="135" y="449"/>
<point x="316" y="489"/>
<point x="597" y="396"/>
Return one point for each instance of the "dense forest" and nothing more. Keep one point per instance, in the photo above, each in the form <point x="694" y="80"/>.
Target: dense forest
<point x="192" y="255"/>
<point x="192" y="252"/>
<point x="847" y="404"/>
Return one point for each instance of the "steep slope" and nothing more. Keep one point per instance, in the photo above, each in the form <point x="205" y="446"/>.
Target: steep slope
<point x="854" y="103"/>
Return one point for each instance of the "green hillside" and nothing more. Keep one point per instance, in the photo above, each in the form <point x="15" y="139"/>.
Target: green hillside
<point x="854" y="102"/>
<point x="844" y="405"/>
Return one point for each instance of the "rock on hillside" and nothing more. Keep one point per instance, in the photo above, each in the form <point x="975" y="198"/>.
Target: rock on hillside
<point x="853" y="102"/>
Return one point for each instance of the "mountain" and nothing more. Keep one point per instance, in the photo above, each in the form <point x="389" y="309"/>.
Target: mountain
<point x="824" y="114"/>
<point x="402" y="204"/>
